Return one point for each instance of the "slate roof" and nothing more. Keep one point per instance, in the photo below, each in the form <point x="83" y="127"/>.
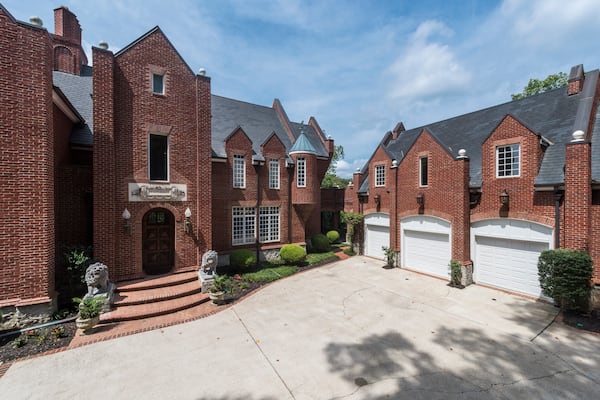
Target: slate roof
<point x="258" y="122"/>
<point x="78" y="90"/>
<point x="302" y="145"/>
<point x="552" y="115"/>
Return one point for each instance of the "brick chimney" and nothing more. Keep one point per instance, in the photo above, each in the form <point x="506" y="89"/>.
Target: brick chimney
<point x="398" y="130"/>
<point x="68" y="53"/>
<point x="576" y="78"/>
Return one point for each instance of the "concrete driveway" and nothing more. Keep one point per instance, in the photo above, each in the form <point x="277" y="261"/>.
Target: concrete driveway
<point x="349" y="330"/>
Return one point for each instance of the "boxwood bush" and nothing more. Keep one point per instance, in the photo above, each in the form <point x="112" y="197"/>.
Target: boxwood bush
<point x="242" y="259"/>
<point x="320" y="243"/>
<point x="333" y="236"/>
<point x="565" y="276"/>
<point x="292" y="254"/>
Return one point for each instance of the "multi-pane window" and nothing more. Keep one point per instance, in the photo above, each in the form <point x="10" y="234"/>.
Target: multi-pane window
<point x="380" y="175"/>
<point x="239" y="171"/>
<point x="274" y="174"/>
<point x="158" y="84"/>
<point x="158" y="157"/>
<point x="423" y="171"/>
<point x="508" y="160"/>
<point x="268" y="224"/>
<point x="243" y="225"/>
<point x="301" y="172"/>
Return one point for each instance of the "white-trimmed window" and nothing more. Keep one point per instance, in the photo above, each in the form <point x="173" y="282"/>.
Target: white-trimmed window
<point x="274" y="174"/>
<point x="243" y="229"/>
<point x="508" y="160"/>
<point x="239" y="171"/>
<point x="158" y="157"/>
<point x="268" y="224"/>
<point x="301" y="172"/>
<point x="380" y="175"/>
<point x="424" y="171"/>
<point x="158" y="83"/>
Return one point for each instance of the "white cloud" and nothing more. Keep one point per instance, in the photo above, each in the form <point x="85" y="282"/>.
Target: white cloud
<point x="424" y="69"/>
<point x="346" y="169"/>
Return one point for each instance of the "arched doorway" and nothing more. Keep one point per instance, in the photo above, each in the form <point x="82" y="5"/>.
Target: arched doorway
<point x="158" y="241"/>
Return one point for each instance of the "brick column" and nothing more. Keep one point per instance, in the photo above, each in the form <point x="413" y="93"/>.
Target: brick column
<point x="203" y="213"/>
<point x="105" y="213"/>
<point x="578" y="193"/>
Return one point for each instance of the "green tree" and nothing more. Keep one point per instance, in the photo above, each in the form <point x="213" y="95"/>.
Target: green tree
<point x="536" y="86"/>
<point x="331" y="180"/>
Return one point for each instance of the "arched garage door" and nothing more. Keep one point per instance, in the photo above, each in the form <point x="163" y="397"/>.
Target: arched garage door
<point x="426" y="245"/>
<point x="377" y="234"/>
<point x="505" y="254"/>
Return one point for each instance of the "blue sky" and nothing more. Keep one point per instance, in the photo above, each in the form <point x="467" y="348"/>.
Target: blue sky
<point x="359" y="67"/>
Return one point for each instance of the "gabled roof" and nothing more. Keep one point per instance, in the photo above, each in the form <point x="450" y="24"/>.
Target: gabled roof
<point x="78" y="90"/>
<point x="258" y="122"/>
<point x="551" y="114"/>
<point x="156" y="29"/>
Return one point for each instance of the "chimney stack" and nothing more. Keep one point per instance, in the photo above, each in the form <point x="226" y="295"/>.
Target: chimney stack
<point x="576" y="78"/>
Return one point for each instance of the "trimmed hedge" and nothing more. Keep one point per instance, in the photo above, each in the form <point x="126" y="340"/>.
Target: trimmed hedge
<point x="565" y="276"/>
<point x="292" y="253"/>
<point x="333" y="236"/>
<point x="242" y="259"/>
<point x="320" y="243"/>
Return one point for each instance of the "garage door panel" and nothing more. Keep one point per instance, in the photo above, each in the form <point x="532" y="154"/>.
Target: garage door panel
<point x="376" y="237"/>
<point x="508" y="264"/>
<point x="427" y="252"/>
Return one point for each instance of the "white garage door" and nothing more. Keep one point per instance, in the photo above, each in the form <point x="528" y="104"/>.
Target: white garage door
<point x="506" y="254"/>
<point x="377" y="234"/>
<point x="426" y="245"/>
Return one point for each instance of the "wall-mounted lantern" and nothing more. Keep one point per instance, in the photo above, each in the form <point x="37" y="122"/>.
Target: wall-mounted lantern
<point x="504" y="198"/>
<point x="420" y="199"/>
<point x="187" y="224"/>
<point x="377" y="199"/>
<point x="127" y="220"/>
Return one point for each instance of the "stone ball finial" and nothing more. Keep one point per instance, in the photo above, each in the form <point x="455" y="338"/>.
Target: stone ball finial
<point x="578" y="136"/>
<point x="202" y="72"/>
<point x="103" y="45"/>
<point x="394" y="163"/>
<point x="36" y="21"/>
<point x="462" y="153"/>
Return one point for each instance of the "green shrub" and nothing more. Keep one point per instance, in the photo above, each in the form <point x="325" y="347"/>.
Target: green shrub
<point x="242" y="259"/>
<point x="455" y="270"/>
<point x="292" y="254"/>
<point x="320" y="243"/>
<point x="349" y="251"/>
<point x="565" y="276"/>
<point x="389" y="255"/>
<point x="76" y="260"/>
<point x="333" y="236"/>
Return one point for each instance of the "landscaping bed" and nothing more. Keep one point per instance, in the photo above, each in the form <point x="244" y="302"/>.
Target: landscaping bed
<point x="32" y="342"/>
<point x="587" y="322"/>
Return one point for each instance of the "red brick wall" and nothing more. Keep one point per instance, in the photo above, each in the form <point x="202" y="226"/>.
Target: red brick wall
<point x="121" y="155"/>
<point x="68" y="53"/>
<point x="578" y="196"/>
<point x="524" y="202"/>
<point x="26" y="164"/>
<point x="445" y="196"/>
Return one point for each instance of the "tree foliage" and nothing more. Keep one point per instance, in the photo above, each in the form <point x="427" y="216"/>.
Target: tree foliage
<point x="331" y="180"/>
<point x="535" y="86"/>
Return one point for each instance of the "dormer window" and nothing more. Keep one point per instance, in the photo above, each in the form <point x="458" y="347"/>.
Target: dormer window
<point x="508" y="160"/>
<point x="424" y="171"/>
<point x="239" y="171"/>
<point x="158" y="83"/>
<point x="380" y="175"/>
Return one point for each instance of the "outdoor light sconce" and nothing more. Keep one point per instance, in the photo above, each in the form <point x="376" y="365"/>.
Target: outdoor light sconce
<point x="420" y="199"/>
<point x="377" y="199"/>
<point x="504" y="198"/>
<point x="127" y="218"/>
<point x="187" y="224"/>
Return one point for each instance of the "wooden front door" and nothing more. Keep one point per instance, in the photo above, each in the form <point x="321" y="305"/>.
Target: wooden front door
<point x="158" y="241"/>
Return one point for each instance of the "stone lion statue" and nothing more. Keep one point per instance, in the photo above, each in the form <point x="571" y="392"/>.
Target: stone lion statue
<point x="96" y="278"/>
<point x="210" y="259"/>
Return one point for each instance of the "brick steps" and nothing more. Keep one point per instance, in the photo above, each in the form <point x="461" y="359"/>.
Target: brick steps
<point x="155" y="296"/>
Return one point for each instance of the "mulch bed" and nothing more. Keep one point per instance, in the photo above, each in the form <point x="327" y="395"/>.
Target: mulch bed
<point x="29" y="343"/>
<point x="587" y="322"/>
